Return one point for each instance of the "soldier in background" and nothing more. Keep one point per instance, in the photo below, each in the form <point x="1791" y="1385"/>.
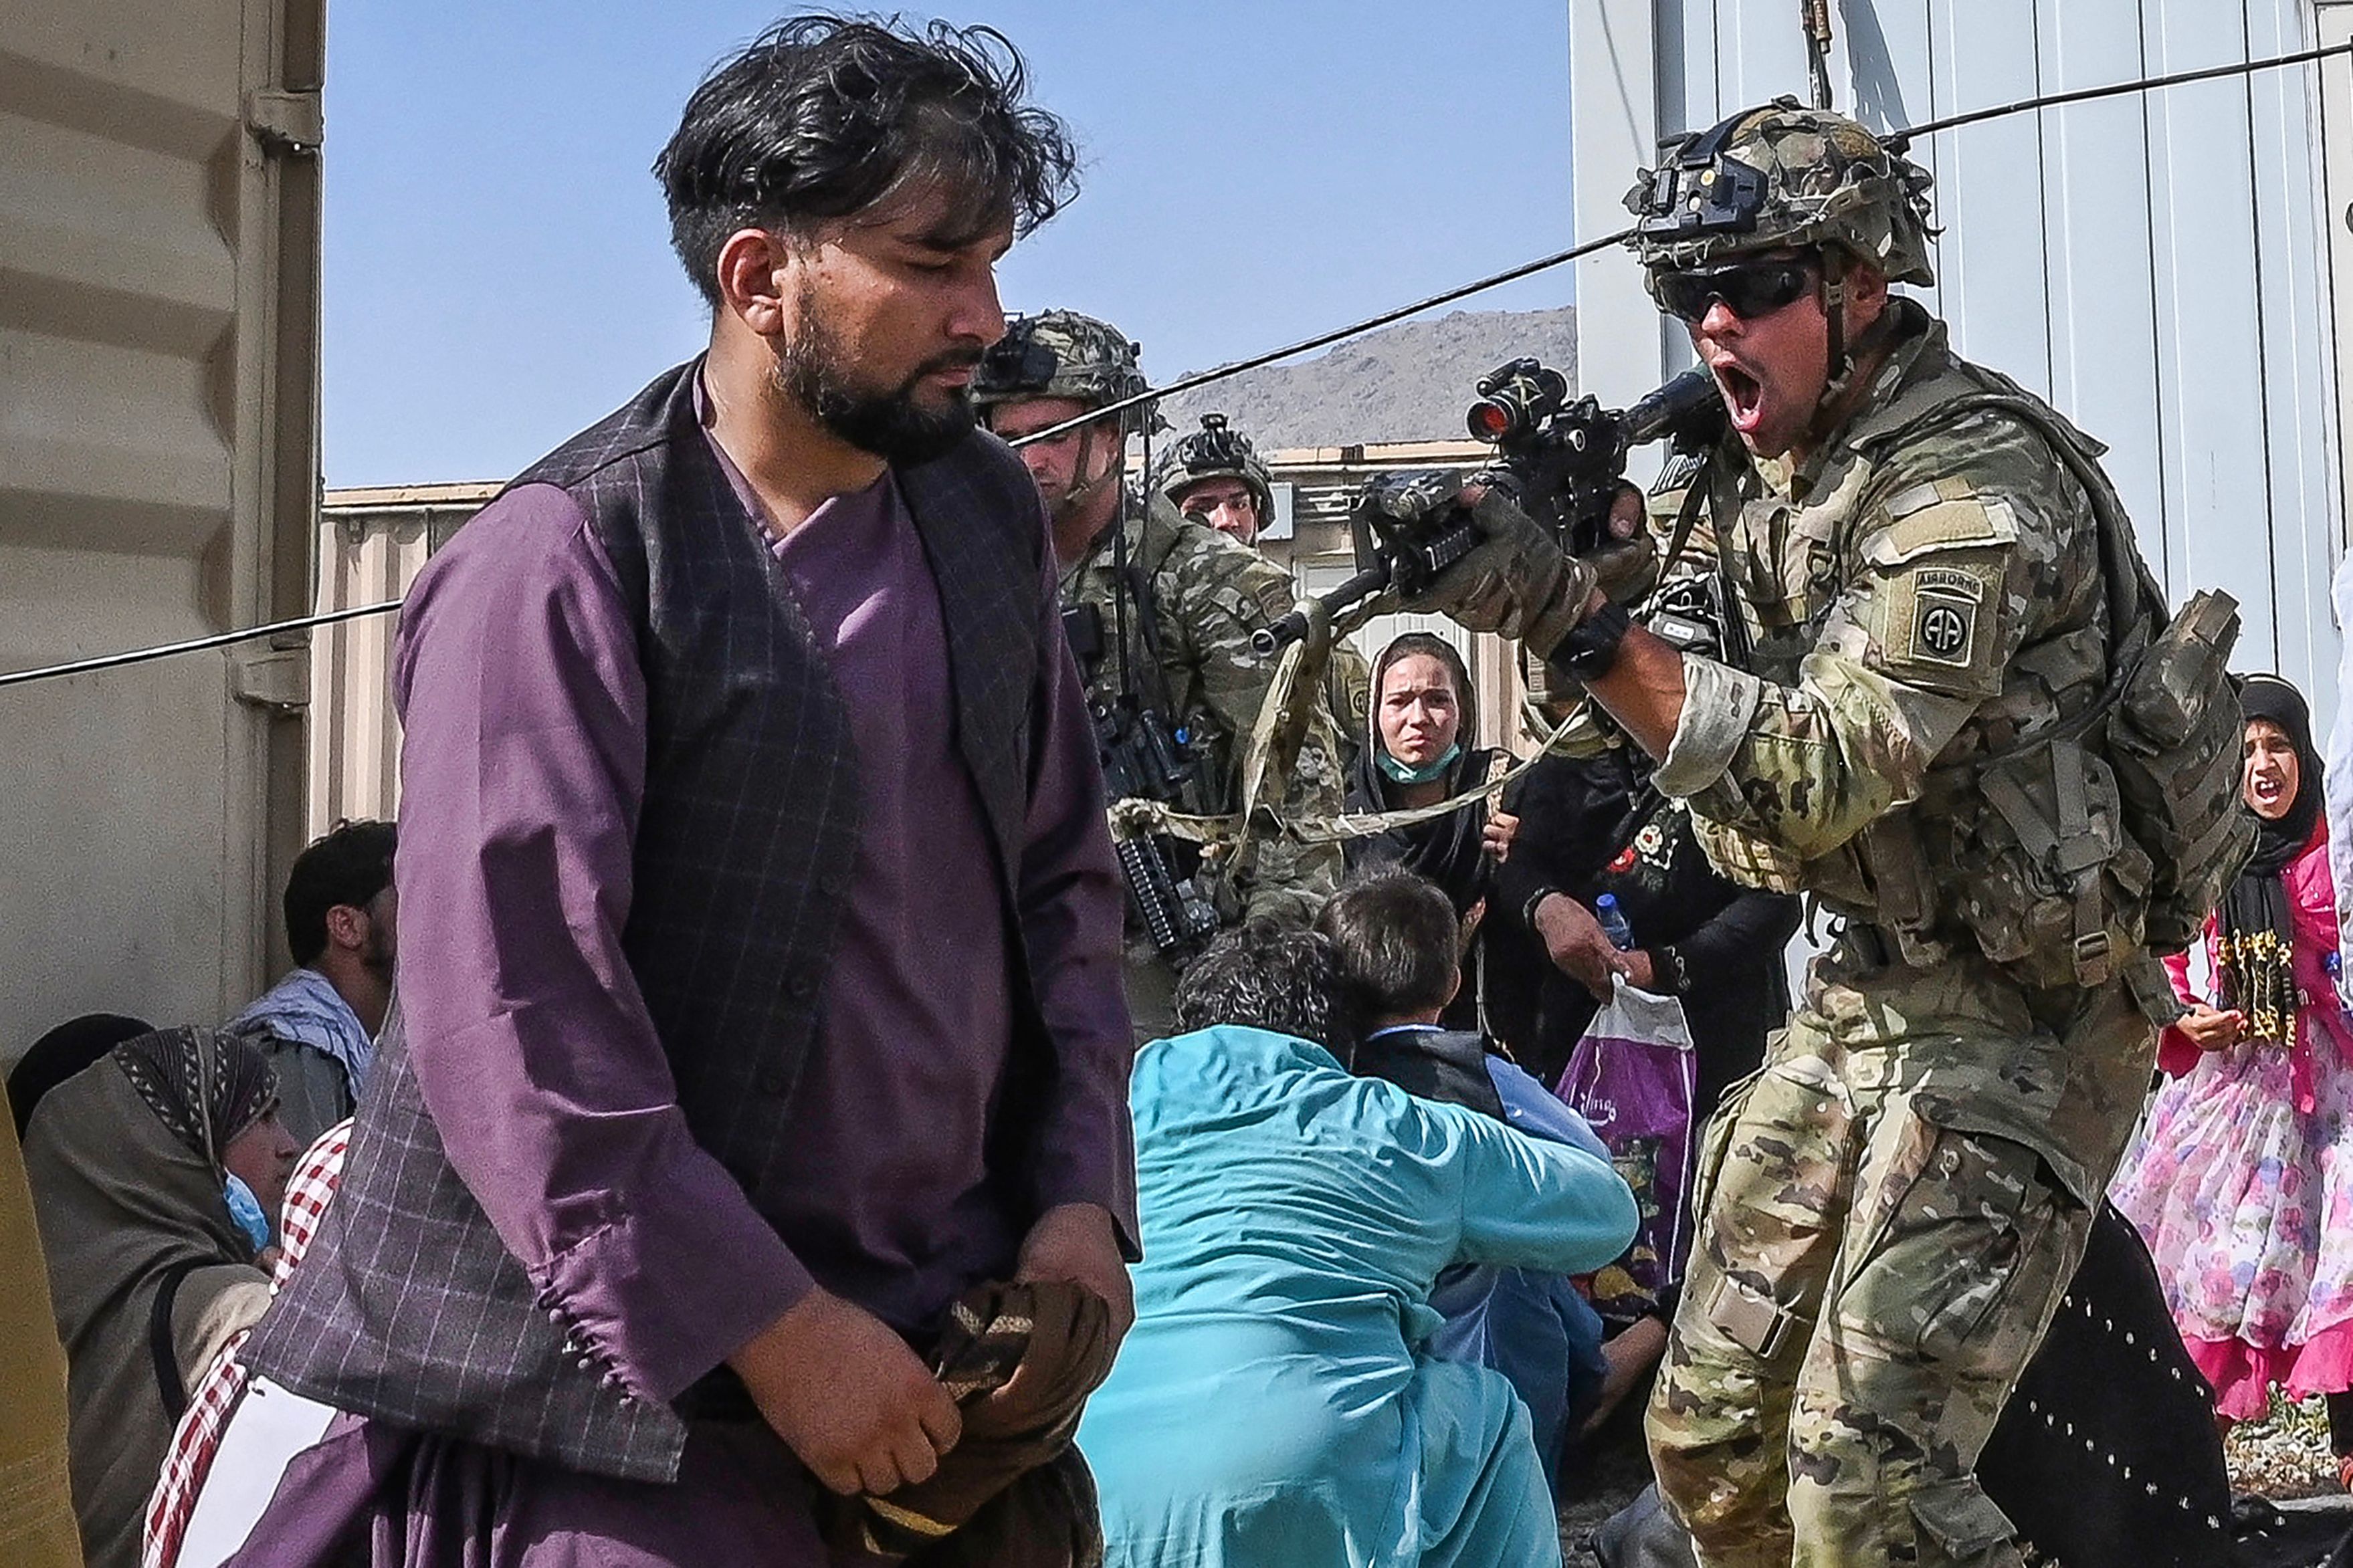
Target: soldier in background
<point x="1213" y="476"/>
<point x="1168" y="607"/>
<point x="1938" y="584"/>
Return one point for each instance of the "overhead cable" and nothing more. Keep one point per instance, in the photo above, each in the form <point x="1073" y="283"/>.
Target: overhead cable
<point x="1897" y="140"/>
<point x="1325" y="339"/>
<point x="197" y="645"/>
<point x="1901" y="139"/>
<point x="1204" y="378"/>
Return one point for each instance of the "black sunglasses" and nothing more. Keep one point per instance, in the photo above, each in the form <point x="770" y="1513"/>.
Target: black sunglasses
<point x="1748" y="290"/>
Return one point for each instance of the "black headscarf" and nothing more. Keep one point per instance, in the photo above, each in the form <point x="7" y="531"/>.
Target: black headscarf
<point x="2258" y="933"/>
<point x="1447" y="849"/>
<point x="60" y="1054"/>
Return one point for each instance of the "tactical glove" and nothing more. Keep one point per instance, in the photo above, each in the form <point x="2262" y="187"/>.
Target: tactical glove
<point x="1517" y="582"/>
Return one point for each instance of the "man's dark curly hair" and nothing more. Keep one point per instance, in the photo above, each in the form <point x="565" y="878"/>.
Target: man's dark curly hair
<point x="824" y="117"/>
<point x="1264" y="974"/>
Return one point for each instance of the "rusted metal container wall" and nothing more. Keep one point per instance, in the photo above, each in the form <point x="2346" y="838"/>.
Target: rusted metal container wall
<point x="372" y="545"/>
<point x="159" y="201"/>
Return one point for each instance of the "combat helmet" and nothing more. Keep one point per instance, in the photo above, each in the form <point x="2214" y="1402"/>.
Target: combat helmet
<point x="1062" y="353"/>
<point x="1783" y="175"/>
<point x="1216" y="451"/>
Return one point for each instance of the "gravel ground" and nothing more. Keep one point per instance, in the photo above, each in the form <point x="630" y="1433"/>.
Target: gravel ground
<point x="2284" y="1457"/>
<point x="2284" y="1454"/>
<point x="1607" y="1476"/>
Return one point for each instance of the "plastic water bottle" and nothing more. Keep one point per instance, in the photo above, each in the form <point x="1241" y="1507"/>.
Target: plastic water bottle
<point x="1614" y="924"/>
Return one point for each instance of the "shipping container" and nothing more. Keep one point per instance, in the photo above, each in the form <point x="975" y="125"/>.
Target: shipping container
<point x="2160" y="266"/>
<point x="159" y="270"/>
<point x="372" y="543"/>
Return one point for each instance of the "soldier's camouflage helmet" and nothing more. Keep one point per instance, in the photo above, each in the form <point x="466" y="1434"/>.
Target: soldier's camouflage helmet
<point x="1060" y="353"/>
<point x="1216" y="451"/>
<point x="1782" y="176"/>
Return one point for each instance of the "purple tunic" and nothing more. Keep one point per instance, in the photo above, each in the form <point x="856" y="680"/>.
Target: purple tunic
<point x="523" y="773"/>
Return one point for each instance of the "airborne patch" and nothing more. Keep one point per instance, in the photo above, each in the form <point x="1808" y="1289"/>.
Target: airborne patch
<point x="1944" y="626"/>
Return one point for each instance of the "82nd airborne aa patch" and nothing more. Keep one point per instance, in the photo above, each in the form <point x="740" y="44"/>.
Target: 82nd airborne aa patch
<point x="1945" y="619"/>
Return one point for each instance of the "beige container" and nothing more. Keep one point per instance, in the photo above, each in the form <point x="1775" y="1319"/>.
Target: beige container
<point x="372" y="545"/>
<point x="159" y="243"/>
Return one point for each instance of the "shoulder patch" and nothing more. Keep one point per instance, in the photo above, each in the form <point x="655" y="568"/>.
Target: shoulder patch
<point x="1944" y="622"/>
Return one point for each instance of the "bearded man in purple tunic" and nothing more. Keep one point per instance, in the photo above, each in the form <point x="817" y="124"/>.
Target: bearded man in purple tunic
<point x="759" y="962"/>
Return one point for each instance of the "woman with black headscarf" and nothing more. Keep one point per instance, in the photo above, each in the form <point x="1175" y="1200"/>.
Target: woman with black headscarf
<point x="2242" y="1182"/>
<point x="150" y="1271"/>
<point x="1417" y="752"/>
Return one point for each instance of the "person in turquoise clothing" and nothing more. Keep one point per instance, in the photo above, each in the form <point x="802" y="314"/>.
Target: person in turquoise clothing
<point x="1274" y="1404"/>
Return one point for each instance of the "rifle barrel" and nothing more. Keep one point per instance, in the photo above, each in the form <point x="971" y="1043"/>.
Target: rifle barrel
<point x="1293" y="627"/>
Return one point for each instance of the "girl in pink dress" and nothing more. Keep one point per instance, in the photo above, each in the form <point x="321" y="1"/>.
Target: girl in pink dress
<point x="2242" y="1182"/>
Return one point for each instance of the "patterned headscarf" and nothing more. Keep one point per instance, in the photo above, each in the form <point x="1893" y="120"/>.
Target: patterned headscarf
<point x="204" y="1099"/>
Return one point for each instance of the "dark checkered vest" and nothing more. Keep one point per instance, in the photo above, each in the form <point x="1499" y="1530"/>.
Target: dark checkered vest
<point x="408" y="1307"/>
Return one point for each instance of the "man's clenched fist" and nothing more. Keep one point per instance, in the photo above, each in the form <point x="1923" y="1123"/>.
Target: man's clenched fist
<point x="848" y="1397"/>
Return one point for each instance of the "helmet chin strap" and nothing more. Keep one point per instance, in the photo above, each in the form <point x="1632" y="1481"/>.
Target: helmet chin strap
<point x="1834" y="296"/>
<point x="1079" y="494"/>
<point x="1845" y="357"/>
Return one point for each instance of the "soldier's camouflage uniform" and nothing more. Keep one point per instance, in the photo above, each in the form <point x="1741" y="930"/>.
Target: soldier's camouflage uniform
<point x="1208" y="595"/>
<point x="1891" y="1209"/>
<point x="1217" y="450"/>
<point x="1349" y="694"/>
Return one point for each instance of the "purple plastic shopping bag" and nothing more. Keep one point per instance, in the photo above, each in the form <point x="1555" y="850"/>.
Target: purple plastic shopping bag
<point x="1632" y="1077"/>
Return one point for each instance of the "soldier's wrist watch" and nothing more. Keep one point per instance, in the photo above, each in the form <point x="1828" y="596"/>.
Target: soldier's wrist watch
<point x="1590" y="649"/>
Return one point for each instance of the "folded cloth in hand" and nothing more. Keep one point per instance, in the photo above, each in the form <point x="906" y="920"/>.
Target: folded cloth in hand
<point x="1020" y="1361"/>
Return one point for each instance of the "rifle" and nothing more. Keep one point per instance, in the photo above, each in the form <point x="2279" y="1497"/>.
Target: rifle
<point x="1560" y="461"/>
<point x="1143" y="759"/>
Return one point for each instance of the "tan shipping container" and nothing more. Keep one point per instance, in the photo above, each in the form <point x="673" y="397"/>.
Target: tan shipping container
<point x="372" y="543"/>
<point x="159" y="249"/>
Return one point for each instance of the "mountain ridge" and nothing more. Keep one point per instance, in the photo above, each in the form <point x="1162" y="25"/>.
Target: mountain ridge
<point x="1411" y="382"/>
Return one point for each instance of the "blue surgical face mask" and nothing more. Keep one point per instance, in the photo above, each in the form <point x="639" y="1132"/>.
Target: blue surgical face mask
<point x="1397" y="773"/>
<point x="245" y="1209"/>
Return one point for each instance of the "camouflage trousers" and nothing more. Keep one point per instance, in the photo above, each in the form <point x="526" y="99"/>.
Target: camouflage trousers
<point x="1868" y="1281"/>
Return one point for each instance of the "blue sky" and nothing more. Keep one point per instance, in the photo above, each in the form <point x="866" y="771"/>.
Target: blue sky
<point x="498" y="271"/>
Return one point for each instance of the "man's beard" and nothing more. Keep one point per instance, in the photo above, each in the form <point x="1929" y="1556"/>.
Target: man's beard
<point x="811" y="370"/>
<point x="376" y="954"/>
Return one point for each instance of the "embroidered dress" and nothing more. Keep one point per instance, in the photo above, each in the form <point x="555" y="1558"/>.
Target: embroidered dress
<point x="2242" y="1182"/>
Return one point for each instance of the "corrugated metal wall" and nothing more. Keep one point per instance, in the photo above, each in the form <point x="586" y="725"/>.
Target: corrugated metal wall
<point x="159" y="188"/>
<point x="372" y="545"/>
<point x="2154" y="264"/>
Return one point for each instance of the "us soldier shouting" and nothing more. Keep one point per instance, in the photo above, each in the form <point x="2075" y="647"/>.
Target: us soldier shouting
<point x="1171" y="605"/>
<point x="1937" y="583"/>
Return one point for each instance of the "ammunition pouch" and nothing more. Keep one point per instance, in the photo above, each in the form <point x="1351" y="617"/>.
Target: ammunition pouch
<point x="1748" y="860"/>
<point x="2041" y="865"/>
<point x="2174" y="739"/>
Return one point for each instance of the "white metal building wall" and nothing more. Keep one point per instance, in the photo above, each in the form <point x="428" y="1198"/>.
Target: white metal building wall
<point x="2155" y="264"/>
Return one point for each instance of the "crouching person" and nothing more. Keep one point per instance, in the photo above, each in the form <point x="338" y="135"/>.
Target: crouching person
<point x="1274" y="1403"/>
<point x="1393" y="939"/>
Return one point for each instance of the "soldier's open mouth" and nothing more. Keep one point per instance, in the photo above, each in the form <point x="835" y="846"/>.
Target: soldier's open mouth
<point x="1744" y="394"/>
